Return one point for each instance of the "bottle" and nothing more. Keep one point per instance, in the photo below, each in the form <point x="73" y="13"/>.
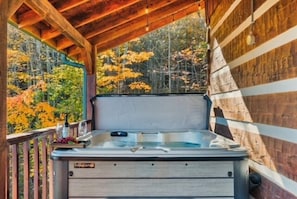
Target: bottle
<point x="65" y="132"/>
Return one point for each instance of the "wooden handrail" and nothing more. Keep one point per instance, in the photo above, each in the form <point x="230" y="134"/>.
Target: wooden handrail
<point x="29" y="165"/>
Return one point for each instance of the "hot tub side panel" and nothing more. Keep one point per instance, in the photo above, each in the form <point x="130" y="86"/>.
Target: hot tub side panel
<point x="60" y="179"/>
<point x="241" y="179"/>
<point x="158" y="179"/>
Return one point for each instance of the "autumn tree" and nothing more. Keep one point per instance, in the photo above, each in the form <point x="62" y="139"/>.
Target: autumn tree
<point x="179" y="63"/>
<point x="25" y="114"/>
<point x="116" y="74"/>
<point x="40" y="89"/>
<point x="65" y="91"/>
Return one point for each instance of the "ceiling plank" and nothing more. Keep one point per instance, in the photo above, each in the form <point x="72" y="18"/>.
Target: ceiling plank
<point x="105" y="8"/>
<point x="52" y="16"/>
<point x="121" y="17"/>
<point x="28" y="18"/>
<point x="31" y="17"/>
<point x="141" y="30"/>
<point x="63" y="43"/>
<point x="157" y="15"/>
<point x="73" y="50"/>
<point x="49" y="34"/>
<point x="63" y="6"/>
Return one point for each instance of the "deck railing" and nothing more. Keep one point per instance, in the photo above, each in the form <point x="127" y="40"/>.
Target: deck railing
<point x="29" y="167"/>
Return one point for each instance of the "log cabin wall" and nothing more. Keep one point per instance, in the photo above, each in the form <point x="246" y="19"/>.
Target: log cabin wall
<point x="254" y="87"/>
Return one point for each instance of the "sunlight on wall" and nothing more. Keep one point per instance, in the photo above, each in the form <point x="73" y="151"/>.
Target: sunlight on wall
<point x="235" y="119"/>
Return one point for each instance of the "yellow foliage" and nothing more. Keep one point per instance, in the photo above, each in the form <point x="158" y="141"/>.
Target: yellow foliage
<point x="15" y="56"/>
<point x="19" y="112"/>
<point x="45" y="114"/>
<point x="134" y="57"/>
<point x="119" y="69"/>
<point x="140" y="86"/>
<point x="22" y="110"/>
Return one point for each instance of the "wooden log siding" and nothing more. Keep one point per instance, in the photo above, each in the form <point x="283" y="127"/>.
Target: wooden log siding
<point x="272" y="109"/>
<point x="275" y="21"/>
<point x="269" y="189"/>
<point x="253" y="88"/>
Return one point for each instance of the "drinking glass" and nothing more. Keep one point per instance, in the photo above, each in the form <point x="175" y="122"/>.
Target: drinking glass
<point x="59" y="128"/>
<point x="82" y="128"/>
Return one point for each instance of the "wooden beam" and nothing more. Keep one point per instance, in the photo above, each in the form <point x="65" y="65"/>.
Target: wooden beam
<point x="157" y="15"/>
<point x="54" y="17"/>
<point x="13" y="5"/>
<point x="3" y="93"/>
<point x="87" y="59"/>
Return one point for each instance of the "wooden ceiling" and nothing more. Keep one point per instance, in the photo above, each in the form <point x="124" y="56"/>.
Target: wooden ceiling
<point x="81" y="27"/>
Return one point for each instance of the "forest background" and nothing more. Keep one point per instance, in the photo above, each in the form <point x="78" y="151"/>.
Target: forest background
<point x="41" y="89"/>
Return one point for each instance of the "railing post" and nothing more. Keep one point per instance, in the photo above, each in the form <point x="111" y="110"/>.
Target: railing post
<point x="15" y="171"/>
<point x="44" y="157"/>
<point x="26" y="156"/>
<point x="7" y="183"/>
<point x="50" y="170"/>
<point x="36" y="168"/>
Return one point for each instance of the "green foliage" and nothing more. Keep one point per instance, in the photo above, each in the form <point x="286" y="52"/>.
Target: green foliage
<point x="65" y="91"/>
<point x="39" y="91"/>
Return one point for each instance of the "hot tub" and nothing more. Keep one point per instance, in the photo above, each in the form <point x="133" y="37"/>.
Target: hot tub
<point x="155" y="163"/>
<point x="181" y="144"/>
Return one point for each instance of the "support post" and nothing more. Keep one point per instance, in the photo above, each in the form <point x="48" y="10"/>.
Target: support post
<point x="91" y="82"/>
<point x="3" y="95"/>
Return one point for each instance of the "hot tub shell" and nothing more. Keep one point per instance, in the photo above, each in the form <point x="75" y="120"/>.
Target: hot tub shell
<point x="154" y="158"/>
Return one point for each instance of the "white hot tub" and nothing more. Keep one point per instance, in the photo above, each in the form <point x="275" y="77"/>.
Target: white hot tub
<point x="159" y="160"/>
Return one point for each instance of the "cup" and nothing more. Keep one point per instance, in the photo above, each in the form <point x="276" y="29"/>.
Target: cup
<point x="59" y="128"/>
<point x="82" y="128"/>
